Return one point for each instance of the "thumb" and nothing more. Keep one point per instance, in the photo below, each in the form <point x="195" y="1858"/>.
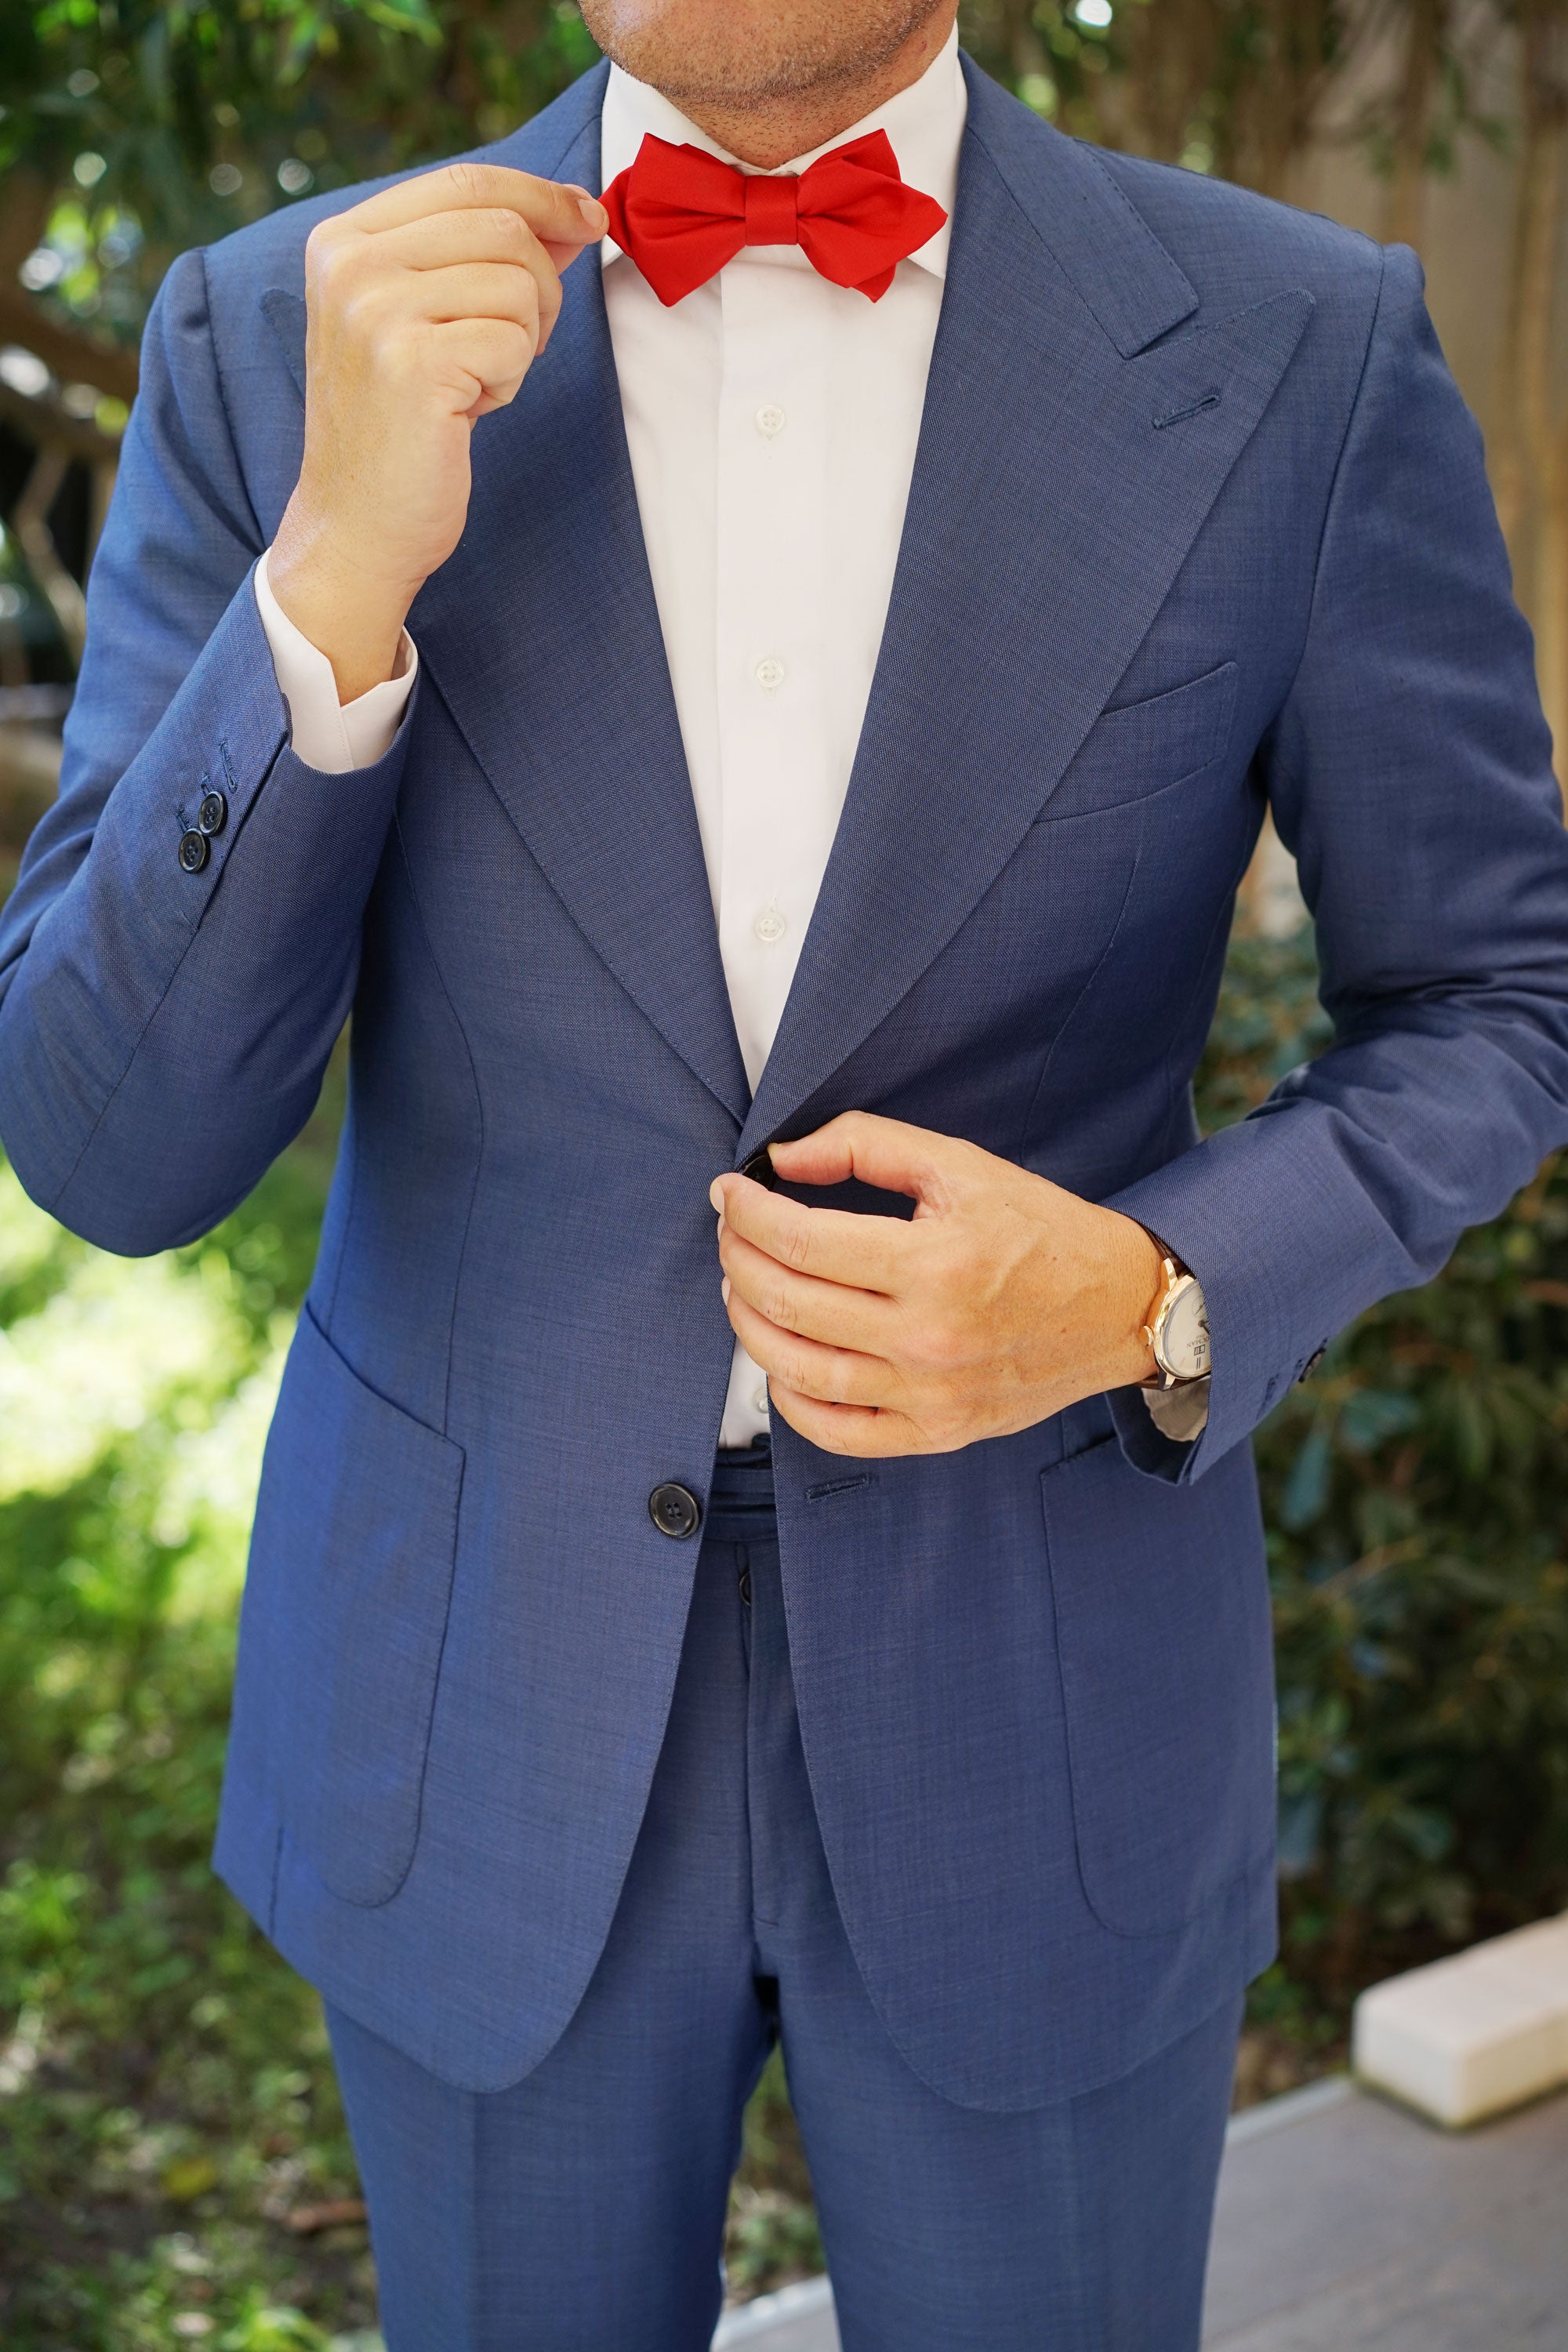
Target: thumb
<point x="886" y="1152"/>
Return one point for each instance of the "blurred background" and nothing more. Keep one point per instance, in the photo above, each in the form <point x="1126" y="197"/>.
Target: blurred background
<point x="173" y="2164"/>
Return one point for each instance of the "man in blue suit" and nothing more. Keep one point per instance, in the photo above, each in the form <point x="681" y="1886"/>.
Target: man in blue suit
<point x="857" y="615"/>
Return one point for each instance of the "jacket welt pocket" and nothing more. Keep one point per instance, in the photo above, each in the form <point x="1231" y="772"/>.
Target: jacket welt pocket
<point x="1143" y="748"/>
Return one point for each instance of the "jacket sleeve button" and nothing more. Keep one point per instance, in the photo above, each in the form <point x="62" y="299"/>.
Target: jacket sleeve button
<point x="194" y="851"/>
<point x="674" y="1510"/>
<point x="213" y="815"/>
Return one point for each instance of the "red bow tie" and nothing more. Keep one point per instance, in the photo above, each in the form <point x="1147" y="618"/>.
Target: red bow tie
<point x="681" y="214"/>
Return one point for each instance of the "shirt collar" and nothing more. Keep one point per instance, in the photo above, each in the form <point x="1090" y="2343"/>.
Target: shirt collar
<point x="923" y="122"/>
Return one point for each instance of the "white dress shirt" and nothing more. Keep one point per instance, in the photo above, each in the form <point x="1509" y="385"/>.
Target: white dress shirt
<point x="772" y="419"/>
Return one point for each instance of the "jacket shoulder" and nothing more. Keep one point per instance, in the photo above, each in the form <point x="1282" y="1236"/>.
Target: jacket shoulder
<point x="1237" y="246"/>
<point x="1117" y="222"/>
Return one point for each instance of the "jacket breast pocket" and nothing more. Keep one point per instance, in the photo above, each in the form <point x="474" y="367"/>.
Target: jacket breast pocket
<point x="350" y="1584"/>
<point x="1164" y="1643"/>
<point x="1143" y="747"/>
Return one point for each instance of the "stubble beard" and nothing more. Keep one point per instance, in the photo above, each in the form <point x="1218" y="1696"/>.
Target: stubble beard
<point x="725" y="56"/>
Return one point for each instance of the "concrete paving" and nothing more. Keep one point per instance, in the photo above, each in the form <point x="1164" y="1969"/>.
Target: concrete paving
<point x="1352" y="2226"/>
<point x="1345" y="2224"/>
<point x="796" y="2319"/>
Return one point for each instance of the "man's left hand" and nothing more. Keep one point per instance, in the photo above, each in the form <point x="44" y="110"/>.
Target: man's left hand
<point x="1001" y="1301"/>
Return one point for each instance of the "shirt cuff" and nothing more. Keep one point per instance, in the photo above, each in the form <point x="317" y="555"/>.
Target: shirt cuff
<point x="1181" y="1412"/>
<point x="325" y="733"/>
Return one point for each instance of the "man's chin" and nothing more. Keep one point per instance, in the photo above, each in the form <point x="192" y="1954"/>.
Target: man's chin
<point x="740" y="54"/>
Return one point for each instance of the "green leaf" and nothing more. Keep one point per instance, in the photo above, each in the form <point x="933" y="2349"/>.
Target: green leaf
<point x="1305" y="1497"/>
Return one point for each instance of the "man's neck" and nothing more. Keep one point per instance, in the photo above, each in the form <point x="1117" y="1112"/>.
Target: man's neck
<point x="775" y="128"/>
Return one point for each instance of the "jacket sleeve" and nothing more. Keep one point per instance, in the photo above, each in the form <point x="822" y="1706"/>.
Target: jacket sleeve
<point x="163" y="1033"/>
<point x="1410" y="772"/>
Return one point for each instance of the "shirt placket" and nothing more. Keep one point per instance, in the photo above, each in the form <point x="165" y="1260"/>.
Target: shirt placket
<point x="772" y="557"/>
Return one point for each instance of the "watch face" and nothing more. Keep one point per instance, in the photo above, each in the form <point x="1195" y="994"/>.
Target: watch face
<point x="1184" y="1341"/>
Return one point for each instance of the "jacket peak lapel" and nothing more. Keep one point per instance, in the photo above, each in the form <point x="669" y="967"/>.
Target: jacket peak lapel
<point x="1095" y="236"/>
<point x="1067" y="458"/>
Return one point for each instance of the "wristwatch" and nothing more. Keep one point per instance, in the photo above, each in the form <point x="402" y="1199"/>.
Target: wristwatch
<point x="1177" y="1330"/>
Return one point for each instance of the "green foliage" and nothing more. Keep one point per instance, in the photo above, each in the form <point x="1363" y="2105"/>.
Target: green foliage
<point x="165" y="2096"/>
<point x="146" y="128"/>
<point x="772" y="2234"/>
<point x="1053" y="58"/>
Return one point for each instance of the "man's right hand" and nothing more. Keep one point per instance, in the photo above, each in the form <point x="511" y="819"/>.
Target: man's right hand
<point x="426" y="305"/>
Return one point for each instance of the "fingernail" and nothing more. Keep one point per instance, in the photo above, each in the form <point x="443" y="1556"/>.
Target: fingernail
<point x="725" y="1290"/>
<point x="594" y="213"/>
<point x="716" y="1195"/>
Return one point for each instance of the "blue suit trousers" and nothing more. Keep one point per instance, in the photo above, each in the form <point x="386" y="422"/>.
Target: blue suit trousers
<point x="582" y="2208"/>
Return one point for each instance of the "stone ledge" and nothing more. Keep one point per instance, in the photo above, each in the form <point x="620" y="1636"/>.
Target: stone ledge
<point x="1472" y="2036"/>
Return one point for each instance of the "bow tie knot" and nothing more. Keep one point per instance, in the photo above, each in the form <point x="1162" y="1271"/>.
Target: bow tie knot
<point x="682" y="213"/>
<point x="772" y="209"/>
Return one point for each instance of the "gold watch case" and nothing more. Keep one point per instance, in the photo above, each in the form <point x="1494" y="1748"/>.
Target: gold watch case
<point x="1177" y="1331"/>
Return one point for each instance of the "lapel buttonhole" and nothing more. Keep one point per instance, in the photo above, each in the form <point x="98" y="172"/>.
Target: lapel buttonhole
<point x="1210" y="399"/>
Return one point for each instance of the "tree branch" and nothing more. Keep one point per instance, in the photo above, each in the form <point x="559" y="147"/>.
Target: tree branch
<point x="75" y="358"/>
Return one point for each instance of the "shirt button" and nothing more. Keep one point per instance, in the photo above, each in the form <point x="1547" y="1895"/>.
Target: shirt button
<point x="769" y="927"/>
<point x="770" y="419"/>
<point x="770" y="673"/>
<point x="760" y="1401"/>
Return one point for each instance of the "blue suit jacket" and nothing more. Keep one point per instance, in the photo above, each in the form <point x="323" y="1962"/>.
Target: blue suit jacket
<point x="1197" y="518"/>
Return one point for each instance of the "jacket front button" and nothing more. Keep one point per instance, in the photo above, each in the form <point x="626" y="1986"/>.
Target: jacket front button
<point x="674" y="1510"/>
<point x="213" y="815"/>
<point x="760" y="1169"/>
<point x="194" y="851"/>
